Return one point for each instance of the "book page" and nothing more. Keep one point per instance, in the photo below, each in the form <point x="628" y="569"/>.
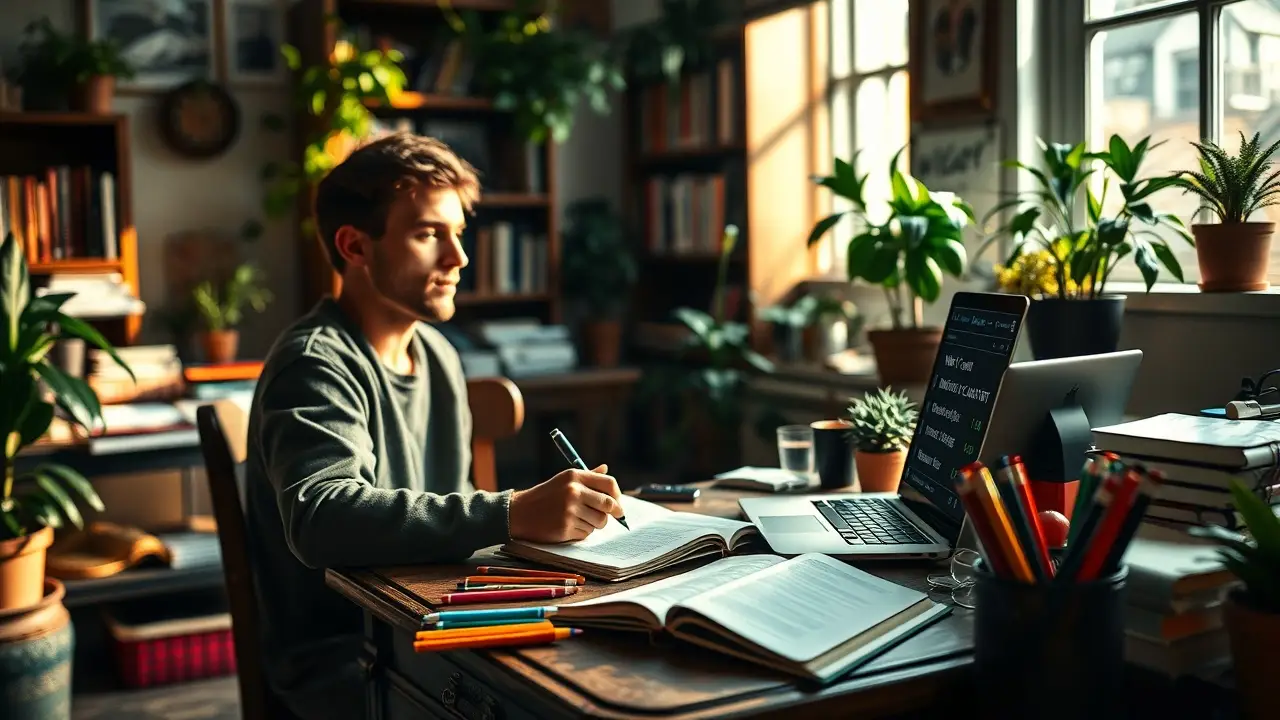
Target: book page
<point x="804" y="607"/>
<point x="660" y="596"/>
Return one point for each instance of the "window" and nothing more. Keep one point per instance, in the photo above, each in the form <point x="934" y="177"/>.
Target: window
<point x="869" y="101"/>
<point x="1173" y="100"/>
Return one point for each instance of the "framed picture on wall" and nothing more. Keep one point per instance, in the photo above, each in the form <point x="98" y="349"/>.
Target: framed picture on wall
<point x="167" y="43"/>
<point x="254" y="33"/>
<point x="953" y="62"/>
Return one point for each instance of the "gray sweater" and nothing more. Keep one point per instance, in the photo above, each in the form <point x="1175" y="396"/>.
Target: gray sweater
<point x="341" y="474"/>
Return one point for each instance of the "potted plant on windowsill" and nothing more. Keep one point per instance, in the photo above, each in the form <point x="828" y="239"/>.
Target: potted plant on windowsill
<point x="599" y="272"/>
<point x="908" y="253"/>
<point x="1065" y="217"/>
<point x="1252" y="611"/>
<point x="222" y="311"/>
<point x="883" y="423"/>
<point x="1234" y="254"/>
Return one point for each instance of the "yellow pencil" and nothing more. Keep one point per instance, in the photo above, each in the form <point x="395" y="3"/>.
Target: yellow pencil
<point x="488" y="641"/>
<point x="1002" y="527"/>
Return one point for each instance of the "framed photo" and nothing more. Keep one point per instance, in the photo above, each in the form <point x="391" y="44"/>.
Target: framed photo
<point x="254" y="34"/>
<point x="167" y="43"/>
<point x="953" y="61"/>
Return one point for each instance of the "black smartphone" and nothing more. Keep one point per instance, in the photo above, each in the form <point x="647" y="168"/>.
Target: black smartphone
<point x="668" y="493"/>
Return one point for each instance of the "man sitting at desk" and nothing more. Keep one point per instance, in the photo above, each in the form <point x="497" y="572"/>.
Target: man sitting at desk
<point x="359" y="433"/>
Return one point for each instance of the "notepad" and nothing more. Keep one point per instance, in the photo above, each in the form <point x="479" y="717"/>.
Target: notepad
<point x="810" y="616"/>
<point x="765" y="479"/>
<point x="659" y="538"/>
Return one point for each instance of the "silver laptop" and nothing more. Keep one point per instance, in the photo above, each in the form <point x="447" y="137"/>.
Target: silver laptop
<point x="925" y="519"/>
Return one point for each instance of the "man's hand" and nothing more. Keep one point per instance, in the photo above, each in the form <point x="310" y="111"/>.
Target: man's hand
<point x="569" y="506"/>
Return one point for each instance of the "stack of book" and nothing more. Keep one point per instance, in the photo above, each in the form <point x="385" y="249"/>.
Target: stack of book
<point x="1199" y="457"/>
<point x="1173" y="615"/>
<point x="157" y="374"/>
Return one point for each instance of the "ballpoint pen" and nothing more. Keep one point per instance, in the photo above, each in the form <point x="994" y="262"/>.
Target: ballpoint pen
<point x="571" y="455"/>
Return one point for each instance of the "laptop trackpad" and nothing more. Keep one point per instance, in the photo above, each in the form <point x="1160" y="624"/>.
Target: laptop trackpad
<point x="791" y="524"/>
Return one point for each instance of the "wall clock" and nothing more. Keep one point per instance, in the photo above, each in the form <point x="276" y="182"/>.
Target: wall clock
<point x="199" y="119"/>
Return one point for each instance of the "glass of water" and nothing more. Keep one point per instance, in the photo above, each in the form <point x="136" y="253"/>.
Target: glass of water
<point x="795" y="449"/>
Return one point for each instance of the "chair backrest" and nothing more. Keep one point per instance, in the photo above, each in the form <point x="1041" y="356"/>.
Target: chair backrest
<point x="497" y="411"/>
<point x="256" y="702"/>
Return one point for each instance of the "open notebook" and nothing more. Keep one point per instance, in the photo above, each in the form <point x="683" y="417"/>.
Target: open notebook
<point x="658" y="539"/>
<point x="810" y="616"/>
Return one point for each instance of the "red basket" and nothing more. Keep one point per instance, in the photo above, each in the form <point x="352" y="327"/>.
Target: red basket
<point x="170" y="651"/>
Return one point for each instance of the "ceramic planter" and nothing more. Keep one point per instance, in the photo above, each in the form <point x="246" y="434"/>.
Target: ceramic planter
<point x="1234" y="257"/>
<point x="1254" y="637"/>
<point x="905" y="356"/>
<point x="37" y="643"/>
<point x="879" y="472"/>
<point x="220" y="346"/>
<point x="1067" y="328"/>
<point x="22" y="569"/>
<point x="603" y="341"/>
<point x="95" y="95"/>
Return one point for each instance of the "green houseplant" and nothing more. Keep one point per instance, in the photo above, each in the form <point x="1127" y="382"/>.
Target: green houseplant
<point x="57" y="68"/>
<point x="883" y="423"/>
<point x="908" y="253"/>
<point x="31" y="388"/>
<point x="680" y="38"/>
<point x="1086" y="240"/>
<point x="798" y="327"/>
<point x="222" y="310"/>
<point x="1234" y="254"/>
<point x="1252" y="611"/>
<point x="599" y="271"/>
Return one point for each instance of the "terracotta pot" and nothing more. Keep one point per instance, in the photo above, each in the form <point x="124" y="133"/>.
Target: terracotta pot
<point x="879" y="472"/>
<point x="603" y="340"/>
<point x="220" y="346"/>
<point x="95" y="95"/>
<point x="1254" y="637"/>
<point x="37" y="643"/>
<point x="22" y="569"/>
<point x="905" y="356"/>
<point x="1234" y="257"/>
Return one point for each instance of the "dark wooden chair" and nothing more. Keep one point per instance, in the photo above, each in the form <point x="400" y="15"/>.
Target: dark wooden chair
<point x="497" y="411"/>
<point x="257" y="702"/>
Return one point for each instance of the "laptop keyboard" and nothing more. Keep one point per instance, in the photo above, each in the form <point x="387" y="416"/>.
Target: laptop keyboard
<point x="870" y="521"/>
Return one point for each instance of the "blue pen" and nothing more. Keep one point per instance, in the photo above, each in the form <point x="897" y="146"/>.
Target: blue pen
<point x="503" y="614"/>
<point x="566" y="449"/>
<point x="455" y="624"/>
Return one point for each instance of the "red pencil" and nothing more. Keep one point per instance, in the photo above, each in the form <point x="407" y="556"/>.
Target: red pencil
<point x="528" y="572"/>
<point x="487" y="596"/>
<point x="1109" y="528"/>
<point x="1023" y="487"/>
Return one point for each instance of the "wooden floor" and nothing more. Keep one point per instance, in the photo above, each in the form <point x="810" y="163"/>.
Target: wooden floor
<point x="216" y="699"/>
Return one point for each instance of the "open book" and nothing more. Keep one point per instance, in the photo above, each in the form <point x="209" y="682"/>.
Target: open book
<point x="658" y="539"/>
<point x="810" y="616"/>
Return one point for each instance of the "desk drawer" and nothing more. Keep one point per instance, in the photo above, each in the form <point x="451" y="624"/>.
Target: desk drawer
<point x="451" y="689"/>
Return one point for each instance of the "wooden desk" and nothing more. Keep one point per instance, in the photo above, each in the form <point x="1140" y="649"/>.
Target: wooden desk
<point x="594" y="397"/>
<point x="628" y="675"/>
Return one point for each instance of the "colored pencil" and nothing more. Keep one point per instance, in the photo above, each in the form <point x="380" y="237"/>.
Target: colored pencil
<point x="509" y="571"/>
<point x="520" y="580"/>
<point x="989" y="497"/>
<point x="1090" y="478"/>
<point x="505" y="629"/>
<point x="967" y="489"/>
<point x="491" y="615"/>
<point x="1007" y="485"/>
<point x="486" y="596"/>
<point x="1028" y="501"/>
<point x="1094" y="513"/>
<point x="1148" y="489"/>
<point x="458" y="624"/>
<point x="1109" y="527"/>
<point x="489" y="641"/>
<point x="467" y="585"/>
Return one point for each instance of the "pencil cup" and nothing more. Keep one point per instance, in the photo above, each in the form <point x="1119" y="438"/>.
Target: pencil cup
<point x="1049" y="651"/>
<point x="833" y="453"/>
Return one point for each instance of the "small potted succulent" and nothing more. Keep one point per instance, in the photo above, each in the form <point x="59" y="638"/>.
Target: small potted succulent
<point x="1252" y="610"/>
<point x="883" y="423"/>
<point x="1234" y="254"/>
<point x="223" y="310"/>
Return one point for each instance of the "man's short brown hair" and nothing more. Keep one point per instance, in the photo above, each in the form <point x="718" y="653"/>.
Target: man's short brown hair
<point x="358" y="192"/>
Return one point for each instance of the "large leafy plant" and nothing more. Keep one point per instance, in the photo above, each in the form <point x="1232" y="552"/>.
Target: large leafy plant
<point x="1234" y="187"/>
<point x="29" y="328"/>
<point x="599" y="267"/>
<point x="1063" y="215"/>
<point x="908" y="253"/>
<point x="1255" y="561"/>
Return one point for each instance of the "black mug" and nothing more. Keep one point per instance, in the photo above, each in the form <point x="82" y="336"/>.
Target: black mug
<point x="833" y="453"/>
<point x="1049" y="650"/>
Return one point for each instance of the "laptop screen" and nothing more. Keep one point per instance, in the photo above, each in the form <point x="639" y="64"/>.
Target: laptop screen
<point x="977" y="346"/>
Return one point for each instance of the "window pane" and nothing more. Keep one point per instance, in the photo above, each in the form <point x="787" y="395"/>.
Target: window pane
<point x="880" y="34"/>
<point x="1100" y="9"/>
<point x="841" y="24"/>
<point x="1145" y="81"/>
<point x="832" y="259"/>
<point x="882" y="129"/>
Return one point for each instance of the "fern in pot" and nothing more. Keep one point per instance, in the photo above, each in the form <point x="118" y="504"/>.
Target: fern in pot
<point x="222" y="310"/>
<point x="1234" y="254"/>
<point x="883" y="423"/>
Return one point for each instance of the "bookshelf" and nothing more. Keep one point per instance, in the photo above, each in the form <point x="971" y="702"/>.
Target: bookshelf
<point x="67" y="187"/>
<point x="513" y="240"/>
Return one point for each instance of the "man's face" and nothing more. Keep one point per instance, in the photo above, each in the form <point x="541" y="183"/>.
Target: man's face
<point x="415" y="266"/>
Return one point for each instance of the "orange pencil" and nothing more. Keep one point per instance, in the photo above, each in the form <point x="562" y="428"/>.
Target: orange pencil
<point x="519" y="580"/>
<point x="966" y="488"/>
<point x="483" y="631"/>
<point x="508" y="571"/>
<point x="488" y="641"/>
<point x="989" y="497"/>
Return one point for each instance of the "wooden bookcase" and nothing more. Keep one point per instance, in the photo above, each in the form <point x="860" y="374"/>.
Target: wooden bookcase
<point x="735" y="142"/>
<point x="516" y="216"/>
<point x="58" y="160"/>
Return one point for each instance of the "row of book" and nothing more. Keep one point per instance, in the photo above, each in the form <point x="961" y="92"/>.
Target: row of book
<point x="686" y="214"/>
<point x="699" y="112"/>
<point x="505" y="257"/>
<point x="65" y="212"/>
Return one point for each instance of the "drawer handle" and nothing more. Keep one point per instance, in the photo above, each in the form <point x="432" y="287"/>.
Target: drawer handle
<point x="469" y="700"/>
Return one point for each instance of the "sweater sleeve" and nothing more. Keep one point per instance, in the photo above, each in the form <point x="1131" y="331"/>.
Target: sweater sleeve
<point x="319" y="455"/>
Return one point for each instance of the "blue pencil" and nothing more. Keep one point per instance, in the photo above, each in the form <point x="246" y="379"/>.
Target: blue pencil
<point x="502" y="615"/>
